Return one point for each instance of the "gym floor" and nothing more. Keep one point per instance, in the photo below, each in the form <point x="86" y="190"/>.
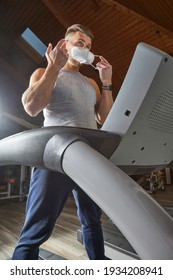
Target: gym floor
<point x="63" y="241"/>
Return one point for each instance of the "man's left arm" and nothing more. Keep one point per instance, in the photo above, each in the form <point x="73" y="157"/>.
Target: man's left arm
<point x="104" y="99"/>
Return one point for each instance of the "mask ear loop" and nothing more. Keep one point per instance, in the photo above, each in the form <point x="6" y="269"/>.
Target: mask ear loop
<point x="93" y="65"/>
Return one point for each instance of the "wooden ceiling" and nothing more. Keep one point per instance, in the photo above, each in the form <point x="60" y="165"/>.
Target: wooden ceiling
<point x="118" y="26"/>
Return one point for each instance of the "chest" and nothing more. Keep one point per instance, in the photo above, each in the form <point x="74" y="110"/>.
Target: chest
<point x="74" y="88"/>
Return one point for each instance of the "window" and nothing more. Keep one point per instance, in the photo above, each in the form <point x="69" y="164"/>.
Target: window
<point x="34" y="41"/>
<point x="32" y="45"/>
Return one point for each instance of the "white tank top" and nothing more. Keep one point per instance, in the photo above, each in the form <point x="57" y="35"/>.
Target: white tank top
<point x="72" y="102"/>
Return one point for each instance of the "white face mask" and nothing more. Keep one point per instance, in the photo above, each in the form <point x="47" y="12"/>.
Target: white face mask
<point x="82" y="55"/>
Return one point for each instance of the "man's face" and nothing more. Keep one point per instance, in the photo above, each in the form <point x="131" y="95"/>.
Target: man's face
<point x="77" y="39"/>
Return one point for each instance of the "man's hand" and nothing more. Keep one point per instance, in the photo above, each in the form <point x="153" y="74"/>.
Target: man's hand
<point x="57" y="56"/>
<point x="105" y="71"/>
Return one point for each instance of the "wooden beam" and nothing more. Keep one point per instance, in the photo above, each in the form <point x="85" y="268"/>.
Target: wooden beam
<point x="129" y="10"/>
<point x="58" y="11"/>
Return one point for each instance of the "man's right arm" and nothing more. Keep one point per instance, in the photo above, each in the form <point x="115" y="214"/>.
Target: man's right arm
<point x="42" y="81"/>
<point x="38" y="94"/>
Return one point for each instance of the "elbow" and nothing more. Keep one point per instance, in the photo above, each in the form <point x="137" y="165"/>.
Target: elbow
<point x="29" y="108"/>
<point x="30" y="111"/>
<point x="102" y="117"/>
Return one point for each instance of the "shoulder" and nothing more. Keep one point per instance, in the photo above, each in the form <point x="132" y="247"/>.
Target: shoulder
<point x="95" y="85"/>
<point x="36" y="75"/>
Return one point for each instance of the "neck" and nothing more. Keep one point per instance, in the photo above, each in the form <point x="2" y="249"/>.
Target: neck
<point x="72" y="66"/>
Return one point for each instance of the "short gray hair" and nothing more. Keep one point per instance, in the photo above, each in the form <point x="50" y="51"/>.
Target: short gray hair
<point x="81" y="28"/>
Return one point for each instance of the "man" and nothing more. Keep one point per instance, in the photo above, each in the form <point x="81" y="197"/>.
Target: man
<point x="67" y="98"/>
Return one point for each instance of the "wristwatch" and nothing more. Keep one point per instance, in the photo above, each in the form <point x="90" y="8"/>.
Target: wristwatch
<point x="110" y="87"/>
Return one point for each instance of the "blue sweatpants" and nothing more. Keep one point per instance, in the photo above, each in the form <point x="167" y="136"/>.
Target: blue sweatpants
<point x="48" y="193"/>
